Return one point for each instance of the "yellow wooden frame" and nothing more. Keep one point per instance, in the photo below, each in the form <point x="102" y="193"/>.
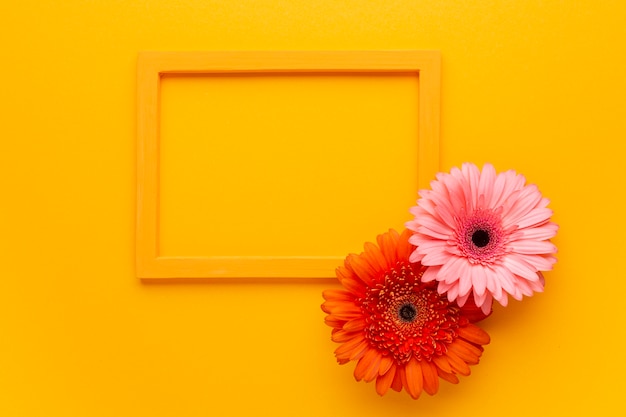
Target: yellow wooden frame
<point x="152" y="65"/>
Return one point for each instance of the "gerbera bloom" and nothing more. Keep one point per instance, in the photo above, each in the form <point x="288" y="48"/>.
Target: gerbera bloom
<point x="401" y="332"/>
<point x="483" y="235"/>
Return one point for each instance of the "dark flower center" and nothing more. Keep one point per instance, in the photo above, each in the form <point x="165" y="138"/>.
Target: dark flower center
<point x="408" y="318"/>
<point x="480" y="238"/>
<point x="407" y="313"/>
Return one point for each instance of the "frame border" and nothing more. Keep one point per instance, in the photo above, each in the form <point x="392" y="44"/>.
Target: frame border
<point x="152" y="65"/>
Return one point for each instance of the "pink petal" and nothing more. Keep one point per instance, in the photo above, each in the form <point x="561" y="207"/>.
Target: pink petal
<point x="524" y="287"/>
<point x="482" y="298"/>
<point x="517" y="294"/>
<point x="455" y="194"/>
<point x="466" y="190"/>
<point x="429" y="208"/>
<point x="493" y="285"/>
<point x="535" y="217"/>
<point x="452" y="292"/>
<point x="419" y="210"/>
<point x="512" y="184"/>
<point x="440" y="176"/>
<point x="446" y="214"/>
<point x="432" y="234"/>
<point x="539" y="262"/>
<point x="415" y="239"/>
<point x="543" y="232"/>
<point x="485" y="306"/>
<point x="532" y="247"/>
<point x="435" y="257"/>
<point x="415" y="257"/>
<point x="430" y="274"/>
<point x="462" y="299"/>
<point x="427" y="245"/>
<point x="487" y="180"/>
<point x="453" y="249"/>
<point x="439" y="188"/>
<point x="506" y="279"/>
<point x="436" y="226"/>
<point x="456" y="173"/>
<point x="453" y="269"/>
<point x="424" y="193"/>
<point x="519" y="266"/>
<point x="537" y="286"/>
<point x="527" y="198"/>
<point x="497" y="191"/>
<point x="472" y="174"/>
<point x="443" y="199"/>
<point x="503" y="299"/>
<point x="465" y="282"/>
<point x="479" y="280"/>
<point x="444" y="287"/>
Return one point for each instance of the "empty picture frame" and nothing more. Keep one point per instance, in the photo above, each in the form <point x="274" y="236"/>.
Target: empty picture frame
<point x="153" y="66"/>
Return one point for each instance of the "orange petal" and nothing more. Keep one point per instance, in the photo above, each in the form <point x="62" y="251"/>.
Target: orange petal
<point x="354" y="285"/>
<point x="374" y="367"/>
<point x="336" y="306"/>
<point x="361" y="268"/>
<point x="387" y="244"/>
<point x="341" y="336"/>
<point x="385" y="364"/>
<point x="404" y="248"/>
<point x="474" y="334"/>
<point x="375" y="257"/>
<point x="450" y="377"/>
<point x="442" y="363"/>
<point x="347" y="348"/>
<point x="337" y="295"/>
<point x="384" y="381"/>
<point x="368" y="361"/>
<point x="359" y="351"/>
<point x="462" y="353"/>
<point x="355" y="325"/>
<point x="343" y="272"/>
<point x="468" y="352"/>
<point x="414" y="378"/>
<point x="345" y="316"/>
<point x="397" y="383"/>
<point x="431" y="380"/>
<point x="477" y="350"/>
<point x="457" y="364"/>
<point x="334" y="322"/>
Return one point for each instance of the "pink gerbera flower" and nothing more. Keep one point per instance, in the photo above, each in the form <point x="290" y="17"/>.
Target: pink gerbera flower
<point x="483" y="234"/>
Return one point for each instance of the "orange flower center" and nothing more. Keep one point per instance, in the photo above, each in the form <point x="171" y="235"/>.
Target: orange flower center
<point x="407" y="318"/>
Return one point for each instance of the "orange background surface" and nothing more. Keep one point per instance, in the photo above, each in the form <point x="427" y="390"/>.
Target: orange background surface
<point x="537" y="86"/>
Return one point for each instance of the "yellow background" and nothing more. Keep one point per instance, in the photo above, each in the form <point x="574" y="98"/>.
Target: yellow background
<point x="537" y="86"/>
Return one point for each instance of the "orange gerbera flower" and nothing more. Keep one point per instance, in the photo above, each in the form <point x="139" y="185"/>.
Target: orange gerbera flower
<point x="401" y="332"/>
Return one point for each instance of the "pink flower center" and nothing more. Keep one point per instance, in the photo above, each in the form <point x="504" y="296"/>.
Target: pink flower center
<point x="480" y="237"/>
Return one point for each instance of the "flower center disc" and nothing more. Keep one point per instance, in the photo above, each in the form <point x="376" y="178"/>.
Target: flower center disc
<point x="480" y="238"/>
<point x="407" y="313"/>
<point x="407" y="318"/>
